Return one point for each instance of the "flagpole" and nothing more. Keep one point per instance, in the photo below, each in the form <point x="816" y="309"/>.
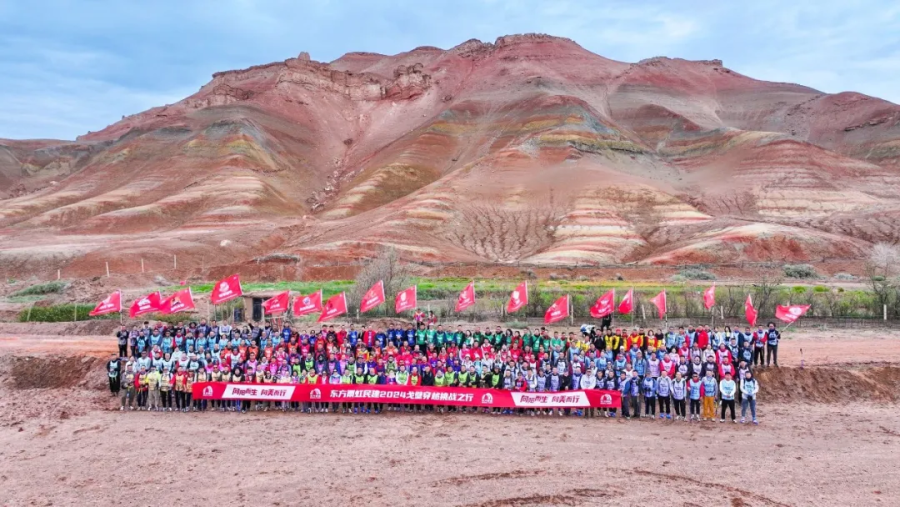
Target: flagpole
<point x="632" y="307"/>
<point x="612" y="314"/>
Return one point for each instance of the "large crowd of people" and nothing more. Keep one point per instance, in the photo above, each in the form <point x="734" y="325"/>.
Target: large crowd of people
<point x="685" y="374"/>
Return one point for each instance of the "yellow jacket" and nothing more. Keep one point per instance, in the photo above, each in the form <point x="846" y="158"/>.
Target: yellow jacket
<point x="613" y="342"/>
<point x="152" y="380"/>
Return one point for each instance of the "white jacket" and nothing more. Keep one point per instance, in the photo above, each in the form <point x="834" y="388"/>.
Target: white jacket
<point x="749" y="389"/>
<point x="588" y="381"/>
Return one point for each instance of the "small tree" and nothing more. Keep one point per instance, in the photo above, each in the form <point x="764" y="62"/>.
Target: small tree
<point x="765" y="285"/>
<point x="882" y="269"/>
<point x="386" y="266"/>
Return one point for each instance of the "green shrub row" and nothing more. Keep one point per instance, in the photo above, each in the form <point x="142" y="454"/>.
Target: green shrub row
<point x="40" y="289"/>
<point x="61" y="313"/>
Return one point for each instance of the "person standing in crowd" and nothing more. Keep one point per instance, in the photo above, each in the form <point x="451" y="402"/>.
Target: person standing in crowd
<point x="695" y="391"/>
<point x="127" y="388"/>
<point x="179" y="385"/>
<point x="749" y="389"/>
<point x="663" y="394"/>
<point x="649" y="388"/>
<point x="710" y="391"/>
<point x="679" y="393"/>
<point x="153" y="397"/>
<point x="588" y="382"/>
<point x="141" y="386"/>
<point x="113" y="372"/>
<point x="773" y="335"/>
<point x="759" y="345"/>
<point x="727" y="389"/>
<point x="122" y="336"/>
<point x="165" y="389"/>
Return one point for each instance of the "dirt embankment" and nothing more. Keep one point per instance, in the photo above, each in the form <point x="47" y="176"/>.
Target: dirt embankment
<point x="81" y="328"/>
<point x="51" y="387"/>
<point x="831" y="385"/>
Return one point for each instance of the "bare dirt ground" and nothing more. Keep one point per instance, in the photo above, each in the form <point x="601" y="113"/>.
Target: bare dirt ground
<point x="829" y="435"/>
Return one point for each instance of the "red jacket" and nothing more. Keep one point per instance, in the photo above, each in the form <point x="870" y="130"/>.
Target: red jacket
<point x="727" y="368"/>
<point x="722" y="354"/>
<point x="368" y="338"/>
<point x="668" y="366"/>
<point x="702" y="339"/>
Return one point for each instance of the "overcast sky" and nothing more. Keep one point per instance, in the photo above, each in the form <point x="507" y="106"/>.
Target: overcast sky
<point x="67" y="67"/>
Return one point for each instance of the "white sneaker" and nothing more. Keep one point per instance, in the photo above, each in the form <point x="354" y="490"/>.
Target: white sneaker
<point x="121" y="408"/>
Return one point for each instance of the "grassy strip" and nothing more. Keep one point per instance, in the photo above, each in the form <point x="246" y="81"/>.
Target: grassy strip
<point x="41" y="289"/>
<point x="61" y="313"/>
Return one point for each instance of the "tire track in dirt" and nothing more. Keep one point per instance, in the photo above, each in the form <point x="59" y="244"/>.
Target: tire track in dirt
<point x="744" y="493"/>
<point x="465" y="479"/>
<point x="579" y="496"/>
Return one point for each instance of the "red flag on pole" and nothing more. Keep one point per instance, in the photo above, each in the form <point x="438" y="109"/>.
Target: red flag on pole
<point x="226" y="289"/>
<point x="557" y="311"/>
<point x="709" y="297"/>
<point x="627" y="304"/>
<point x="147" y="304"/>
<point x="277" y="304"/>
<point x="604" y="305"/>
<point x="660" y="302"/>
<point x="749" y="311"/>
<point x="406" y="299"/>
<point x="336" y="305"/>
<point x="466" y="297"/>
<point x="112" y="304"/>
<point x="373" y="297"/>
<point x="518" y="299"/>
<point x="790" y="314"/>
<point x="181" y="301"/>
<point x="304" y="305"/>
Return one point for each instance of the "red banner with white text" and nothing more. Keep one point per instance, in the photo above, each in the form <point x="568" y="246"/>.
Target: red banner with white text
<point x="365" y="393"/>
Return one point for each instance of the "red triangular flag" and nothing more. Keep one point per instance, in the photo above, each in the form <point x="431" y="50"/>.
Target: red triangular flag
<point x="604" y="305"/>
<point x="790" y="314"/>
<point x="277" y="303"/>
<point x="335" y="306"/>
<point x="660" y="302"/>
<point x="181" y="301"/>
<point x="226" y="289"/>
<point x="518" y="299"/>
<point x="147" y="304"/>
<point x="112" y="304"/>
<point x="627" y="304"/>
<point x="304" y="305"/>
<point x="557" y="311"/>
<point x="466" y="297"/>
<point x="749" y="311"/>
<point x="406" y="300"/>
<point x="709" y="297"/>
<point x="373" y="297"/>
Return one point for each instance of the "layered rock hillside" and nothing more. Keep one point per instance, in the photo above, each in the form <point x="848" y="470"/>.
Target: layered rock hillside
<point x="527" y="150"/>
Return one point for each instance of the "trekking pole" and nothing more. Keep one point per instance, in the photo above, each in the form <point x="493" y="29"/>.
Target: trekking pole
<point x="802" y="362"/>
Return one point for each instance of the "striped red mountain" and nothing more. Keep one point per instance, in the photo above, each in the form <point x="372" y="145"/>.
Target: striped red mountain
<point x="527" y="150"/>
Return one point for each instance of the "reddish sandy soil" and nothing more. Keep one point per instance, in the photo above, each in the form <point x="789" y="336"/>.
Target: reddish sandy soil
<point x="61" y="444"/>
